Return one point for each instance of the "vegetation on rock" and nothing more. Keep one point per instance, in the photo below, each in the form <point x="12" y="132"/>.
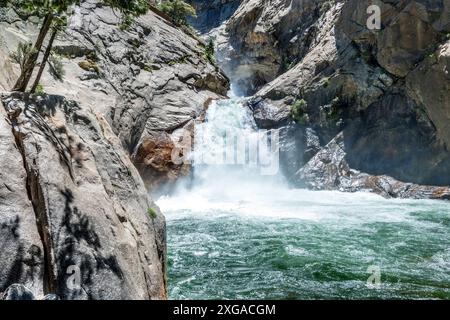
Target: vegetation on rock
<point x="178" y="10"/>
<point x="299" y="111"/>
<point x="56" y="66"/>
<point x="22" y="54"/>
<point x="152" y="213"/>
<point x="209" y="51"/>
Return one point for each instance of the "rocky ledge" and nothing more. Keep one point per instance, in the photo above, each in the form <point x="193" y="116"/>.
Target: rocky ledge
<point x="76" y="219"/>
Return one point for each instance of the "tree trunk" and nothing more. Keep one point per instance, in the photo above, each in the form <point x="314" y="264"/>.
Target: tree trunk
<point x="48" y="50"/>
<point x="27" y="72"/>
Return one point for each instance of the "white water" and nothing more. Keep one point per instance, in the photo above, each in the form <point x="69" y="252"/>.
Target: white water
<point x="235" y="233"/>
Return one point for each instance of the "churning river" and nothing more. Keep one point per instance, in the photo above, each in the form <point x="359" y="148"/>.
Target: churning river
<point x="234" y="234"/>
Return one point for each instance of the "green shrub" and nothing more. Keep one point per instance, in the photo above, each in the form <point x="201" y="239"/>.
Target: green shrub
<point x="209" y="51"/>
<point x="56" y="66"/>
<point x="152" y="213"/>
<point x="299" y="112"/>
<point x="333" y="111"/>
<point x="39" y="90"/>
<point x="288" y="63"/>
<point x="127" y="21"/>
<point x="178" y="11"/>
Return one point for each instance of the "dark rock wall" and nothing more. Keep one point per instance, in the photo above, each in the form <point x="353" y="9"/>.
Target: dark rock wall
<point x="212" y="13"/>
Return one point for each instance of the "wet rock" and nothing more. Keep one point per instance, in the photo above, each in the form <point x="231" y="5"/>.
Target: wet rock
<point x="386" y="90"/>
<point x="267" y="115"/>
<point x="329" y="170"/>
<point x="396" y="137"/>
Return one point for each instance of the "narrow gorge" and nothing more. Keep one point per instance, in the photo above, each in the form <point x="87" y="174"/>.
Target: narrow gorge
<point x="303" y="153"/>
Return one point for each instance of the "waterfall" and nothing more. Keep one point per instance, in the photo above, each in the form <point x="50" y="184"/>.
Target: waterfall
<point x="230" y="155"/>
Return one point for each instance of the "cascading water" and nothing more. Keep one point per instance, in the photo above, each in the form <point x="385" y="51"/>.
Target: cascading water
<point x="231" y="156"/>
<point x="239" y="234"/>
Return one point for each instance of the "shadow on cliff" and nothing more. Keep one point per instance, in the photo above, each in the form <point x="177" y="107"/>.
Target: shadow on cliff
<point x="79" y="245"/>
<point x="26" y="264"/>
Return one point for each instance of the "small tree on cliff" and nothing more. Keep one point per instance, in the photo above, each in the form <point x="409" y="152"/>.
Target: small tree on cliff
<point x="55" y="14"/>
<point x="50" y="11"/>
<point x="178" y="10"/>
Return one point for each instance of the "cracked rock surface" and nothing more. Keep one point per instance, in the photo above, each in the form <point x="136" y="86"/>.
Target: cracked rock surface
<point x="149" y="80"/>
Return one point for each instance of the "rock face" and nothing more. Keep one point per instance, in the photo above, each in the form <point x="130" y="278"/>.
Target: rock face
<point x="386" y="91"/>
<point x="76" y="221"/>
<point x="17" y="292"/>
<point x="148" y="80"/>
<point x="262" y="39"/>
<point x="22" y="254"/>
<point x="79" y="226"/>
<point x="212" y="13"/>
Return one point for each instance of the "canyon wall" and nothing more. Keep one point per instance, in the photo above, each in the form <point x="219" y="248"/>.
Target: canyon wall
<point x="316" y="71"/>
<point x="73" y="206"/>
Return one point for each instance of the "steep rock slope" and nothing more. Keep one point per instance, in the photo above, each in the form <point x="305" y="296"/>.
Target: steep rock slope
<point x="148" y="80"/>
<point x="21" y="254"/>
<point x="263" y="38"/>
<point x="212" y="13"/>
